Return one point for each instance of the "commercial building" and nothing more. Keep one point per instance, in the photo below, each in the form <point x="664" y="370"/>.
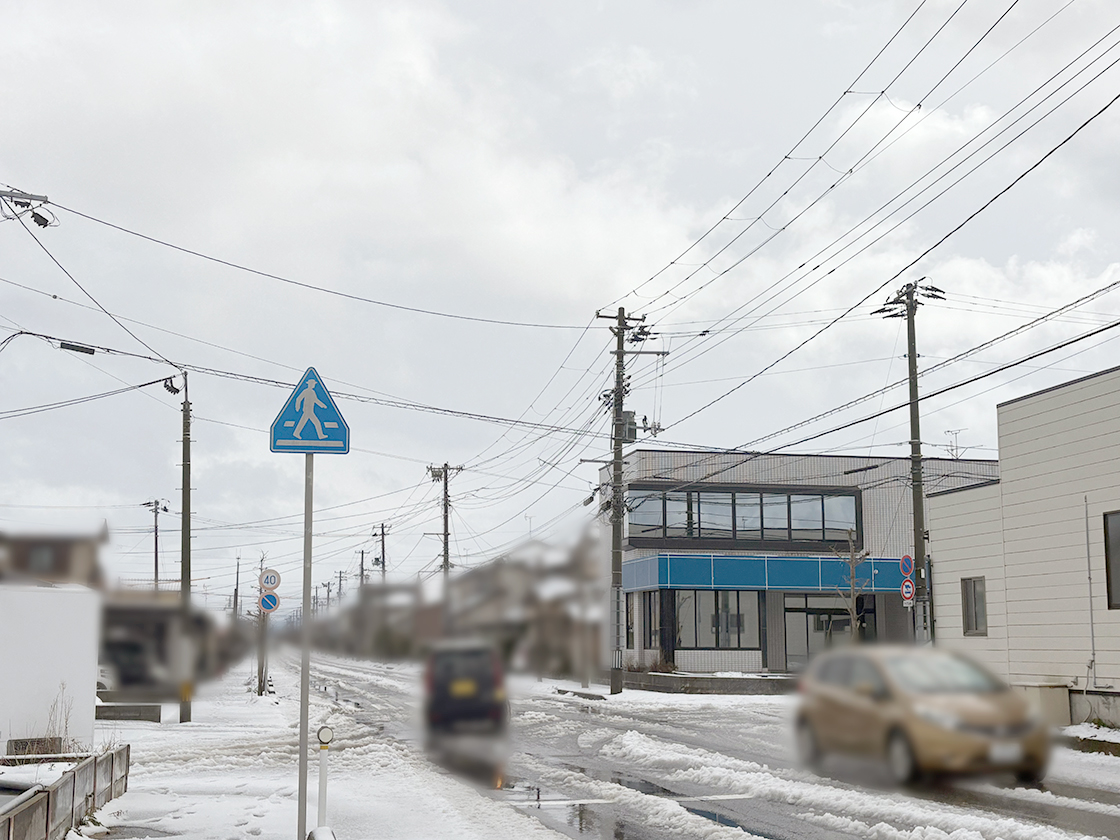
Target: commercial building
<point x="1027" y="568"/>
<point x="736" y="561"/>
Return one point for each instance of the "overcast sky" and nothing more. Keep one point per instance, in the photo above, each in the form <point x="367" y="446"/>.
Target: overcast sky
<point x="527" y="163"/>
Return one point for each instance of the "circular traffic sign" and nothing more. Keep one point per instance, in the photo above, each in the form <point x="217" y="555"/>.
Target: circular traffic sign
<point x="906" y="564"/>
<point x="269" y="601"/>
<point x="269" y="579"/>
<point x="907" y="590"/>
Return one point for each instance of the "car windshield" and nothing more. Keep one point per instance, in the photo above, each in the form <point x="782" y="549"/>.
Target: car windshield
<point x="474" y="664"/>
<point x="940" y="673"/>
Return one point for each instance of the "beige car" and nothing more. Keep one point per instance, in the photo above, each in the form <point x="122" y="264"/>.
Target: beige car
<point x="926" y="711"/>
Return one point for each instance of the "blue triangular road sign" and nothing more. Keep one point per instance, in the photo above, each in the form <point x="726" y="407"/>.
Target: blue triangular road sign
<point x="310" y="421"/>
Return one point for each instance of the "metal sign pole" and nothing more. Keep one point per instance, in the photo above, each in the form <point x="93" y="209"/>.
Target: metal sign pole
<point x="305" y="669"/>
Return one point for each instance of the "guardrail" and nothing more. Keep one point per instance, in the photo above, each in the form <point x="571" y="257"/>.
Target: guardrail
<point x="48" y="812"/>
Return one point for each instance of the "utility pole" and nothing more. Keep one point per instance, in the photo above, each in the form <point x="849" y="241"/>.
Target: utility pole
<point x="186" y="689"/>
<point x="440" y="474"/>
<point x="339" y="597"/>
<point x="262" y="634"/>
<point x="381" y="559"/>
<point x="156" y="505"/>
<point x="905" y="304"/>
<point x="236" y="587"/>
<point x="623" y="324"/>
<point x="328" y="586"/>
<point x="362" y="568"/>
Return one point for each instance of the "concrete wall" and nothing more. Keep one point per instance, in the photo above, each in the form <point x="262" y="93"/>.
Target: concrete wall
<point x="51" y="636"/>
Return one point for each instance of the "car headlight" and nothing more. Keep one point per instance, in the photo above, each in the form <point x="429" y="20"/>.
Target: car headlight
<point x="938" y="717"/>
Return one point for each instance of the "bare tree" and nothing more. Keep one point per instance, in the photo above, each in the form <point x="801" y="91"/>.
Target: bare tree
<point x="852" y="587"/>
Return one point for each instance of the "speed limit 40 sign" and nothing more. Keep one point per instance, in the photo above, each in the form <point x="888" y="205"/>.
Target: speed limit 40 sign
<point x="269" y="579"/>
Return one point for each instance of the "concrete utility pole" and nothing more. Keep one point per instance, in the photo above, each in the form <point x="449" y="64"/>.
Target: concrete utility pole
<point x="186" y="689"/>
<point x="361" y="568"/>
<point x="381" y="559"/>
<point x="338" y="598"/>
<point x="623" y="324"/>
<point x="905" y="304"/>
<point x="328" y="586"/>
<point x="236" y="587"/>
<point x="156" y="505"/>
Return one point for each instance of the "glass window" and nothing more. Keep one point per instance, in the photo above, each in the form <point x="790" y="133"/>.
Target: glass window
<point x="775" y="516"/>
<point x="1112" y="558"/>
<point x="706" y="618"/>
<point x="839" y="516"/>
<point x="727" y="609"/>
<point x="748" y="516"/>
<point x="797" y="640"/>
<point x="680" y="515"/>
<point x="974" y="606"/>
<point x="940" y="673"/>
<point x="40" y="560"/>
<point x="748" y="620"/>
<point x="646" y="517"/>
<point x="715" y="515"/>
<point x="806" y="517"/>
<point x="651" y="615"/>
<point x="686" y="618"/>
<point x="629" y="620"/>
<point x="864" y="673"/>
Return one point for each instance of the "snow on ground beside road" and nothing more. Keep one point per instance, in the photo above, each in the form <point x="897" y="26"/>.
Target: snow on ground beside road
<point x="1091" y="730"/>
<point x="232" y="773"/>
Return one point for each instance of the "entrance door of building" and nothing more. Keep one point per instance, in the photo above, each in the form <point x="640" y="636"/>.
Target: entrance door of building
<point x="817" y="622"/>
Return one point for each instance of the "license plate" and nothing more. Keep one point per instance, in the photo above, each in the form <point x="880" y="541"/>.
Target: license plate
<point x="463" y="688"/>
<point x="1005" y="752"/>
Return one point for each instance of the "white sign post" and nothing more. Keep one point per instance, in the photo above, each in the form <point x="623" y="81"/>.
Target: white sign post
<point x="308" y="423"/>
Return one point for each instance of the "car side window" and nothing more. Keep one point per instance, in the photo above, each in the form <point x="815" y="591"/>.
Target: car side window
<point x="864" y="672"/>
<point x="835" y="671"/>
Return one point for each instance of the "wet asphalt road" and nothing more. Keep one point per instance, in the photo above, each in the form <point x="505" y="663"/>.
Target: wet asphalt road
<point x="636" y="770"/>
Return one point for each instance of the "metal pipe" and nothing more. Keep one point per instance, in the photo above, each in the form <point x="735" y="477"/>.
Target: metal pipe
<point x="1092" y="627"/>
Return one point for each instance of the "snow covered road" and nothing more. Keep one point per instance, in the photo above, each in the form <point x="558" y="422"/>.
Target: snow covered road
<point x="638" y="765"/>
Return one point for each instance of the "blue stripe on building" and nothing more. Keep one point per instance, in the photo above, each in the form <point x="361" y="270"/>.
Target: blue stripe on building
<point x="715" y="571"/>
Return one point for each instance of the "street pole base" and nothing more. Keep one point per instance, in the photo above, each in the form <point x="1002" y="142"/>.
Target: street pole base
<point x="616" y="680"/>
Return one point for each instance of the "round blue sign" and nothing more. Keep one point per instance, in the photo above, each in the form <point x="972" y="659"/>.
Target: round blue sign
<point x="906" y="565"/>
<point x="269" y="601"/>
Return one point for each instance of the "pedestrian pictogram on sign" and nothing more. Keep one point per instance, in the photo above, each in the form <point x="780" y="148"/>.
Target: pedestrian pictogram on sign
<point x="906" y="565"/>
<point x="907" y="590"/>
<point x="269" y="579"/>
<point x="310" y="421"/>
<point x="269" y="601"/>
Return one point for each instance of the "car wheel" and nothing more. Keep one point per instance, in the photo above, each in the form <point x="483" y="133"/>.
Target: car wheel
<point x="900" y="758"/>
<point x="1030" y="776"/>
<point x="808" y="749"/>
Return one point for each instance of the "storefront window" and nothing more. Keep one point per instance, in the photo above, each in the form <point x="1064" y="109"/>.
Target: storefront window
<point x="706" y="619"/>
<point x="686" y="618"/>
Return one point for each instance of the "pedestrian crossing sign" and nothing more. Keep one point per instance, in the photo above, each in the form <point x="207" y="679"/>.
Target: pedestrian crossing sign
<point x="310" y="422"/>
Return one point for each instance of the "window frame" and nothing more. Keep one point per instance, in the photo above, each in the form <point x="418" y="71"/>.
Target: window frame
<point x="753" y="496"/>
<point x="1111" y="575"/>
<point x="760" y="616"/>
<point x="970" y="623"/>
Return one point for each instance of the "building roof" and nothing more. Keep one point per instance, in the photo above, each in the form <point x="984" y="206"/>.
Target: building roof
<point x="1059" y="386"/>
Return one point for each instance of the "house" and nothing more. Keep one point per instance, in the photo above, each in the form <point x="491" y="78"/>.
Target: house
<point x="1027" y="567"/>
<point x="52" y="558"/>
<point x="733" y="561"/>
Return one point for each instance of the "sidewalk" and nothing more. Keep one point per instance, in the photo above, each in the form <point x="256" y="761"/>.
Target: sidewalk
<point x="232" y="773"/>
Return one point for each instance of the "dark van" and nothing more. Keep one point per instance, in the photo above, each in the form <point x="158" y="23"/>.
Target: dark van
<point x="465" y="691"/>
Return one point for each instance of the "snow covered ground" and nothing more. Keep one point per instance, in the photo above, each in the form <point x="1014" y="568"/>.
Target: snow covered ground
<point x="636" y="765"/>
<point x="232" y="773"/>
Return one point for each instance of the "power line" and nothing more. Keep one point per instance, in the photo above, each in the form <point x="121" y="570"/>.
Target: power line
<point x="311" y="286"/>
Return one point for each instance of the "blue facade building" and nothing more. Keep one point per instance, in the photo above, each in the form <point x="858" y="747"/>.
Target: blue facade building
<point x="739" y="562"/>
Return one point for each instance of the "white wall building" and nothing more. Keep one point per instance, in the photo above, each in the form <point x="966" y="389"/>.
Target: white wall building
<point x="1026" y="569"/>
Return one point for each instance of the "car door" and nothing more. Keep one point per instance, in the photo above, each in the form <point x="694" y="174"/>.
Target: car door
<point x="866" y="714"/>
<point x="830" y="693"/>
